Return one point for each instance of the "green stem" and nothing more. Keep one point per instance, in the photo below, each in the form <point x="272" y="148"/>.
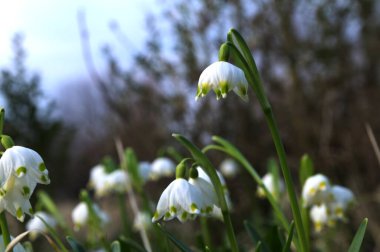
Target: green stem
<point x="249" y="67"/>
<point x="244" y="162"/>
<point x="123" y="214"/>
<point x="4" y="229"/>
<point x="205" y="163"/>
<point x="287" y="177"/>
<point x="206" y="233"/>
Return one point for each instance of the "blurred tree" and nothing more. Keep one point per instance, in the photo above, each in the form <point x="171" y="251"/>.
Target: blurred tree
<point x="29" y="114"/>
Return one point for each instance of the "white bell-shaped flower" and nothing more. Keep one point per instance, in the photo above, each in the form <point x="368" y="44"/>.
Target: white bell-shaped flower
<point x="182" y="200"/>
<point x="97" y="181"/>
<point x="319" y="216"/>
<point x="203" y="175"/>
<point x="162" y="167"/>
<point x="20" y="171"/>
<point x="316" y="190"/>
<point x="117" y="181"/>
<point x="269" y="182"/>
<point x="229" y="168"/>
<point x="143" y="221"/>
<point x="80" y="215"/>
<point x="222" y="77"/>
<point x="341" y="199"/>
<point x="145" y="170"/>
<point x="36" y="224"/>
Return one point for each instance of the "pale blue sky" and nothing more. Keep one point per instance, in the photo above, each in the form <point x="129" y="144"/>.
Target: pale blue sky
<point x="52" y="38"/>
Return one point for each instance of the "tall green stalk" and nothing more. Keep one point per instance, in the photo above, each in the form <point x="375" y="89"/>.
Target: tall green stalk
<point x="4" y="229"/>
<point x="3" y="219"/>
<point x="205" y="163"/>
<point x="244" y="59"/>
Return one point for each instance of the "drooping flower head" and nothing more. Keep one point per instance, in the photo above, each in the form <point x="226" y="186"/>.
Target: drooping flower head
<point x="105" y="183"/>
<point x="20" y="171"/>
<point x="341" y="199"/>
<point x="222" y="77"/>
<point x="229" y="168"/>
<point x="180" y="199"/>
<point x="319" y="216"/>
<point x="36" y="224"/>
<point x="183" y="199"/>
<point x="144" y="170"/>
<point x="271" y="185"/>
<point x="316" y="190"/>
<point x="81" y="215"/>
<point x="162" y="167"/>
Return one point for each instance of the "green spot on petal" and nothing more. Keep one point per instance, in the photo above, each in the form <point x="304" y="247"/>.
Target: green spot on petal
<point x="208" y="209"/>
<point x="184" y="215"/>
<point x="42" y="167"/>
<point x="20" y="170"/>
<point x="194" y="207"/>
<point x="44" y="179"/>
<point x="25" y="190"/>
<point x="3" y="192"/>
<point x="167" y="215"/>
<point x="173" y="209"/>
<point x="19" y="213"/>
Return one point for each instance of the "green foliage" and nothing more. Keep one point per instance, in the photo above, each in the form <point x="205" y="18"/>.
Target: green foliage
<point x="358" y="238"/>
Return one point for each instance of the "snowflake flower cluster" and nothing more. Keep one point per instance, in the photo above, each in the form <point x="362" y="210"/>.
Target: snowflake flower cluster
<point x="328" y="203"/>
<point x="186" y="199"/>
<point x="105" y="183"/>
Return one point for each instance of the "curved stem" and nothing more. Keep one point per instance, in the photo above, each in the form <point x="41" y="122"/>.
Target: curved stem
<point x="205" y="163"/>
<point x="244" y="162"/>
<point x="254" y="80"/>
<point x="4" y="229"/>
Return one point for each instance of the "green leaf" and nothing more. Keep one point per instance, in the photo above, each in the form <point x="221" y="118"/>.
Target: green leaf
<point x="131" y="164"/>
<point x="358" y="239"/>
<point x="76" y="246"/>
<point x="49" y="204"/>
<point x="273" y="240"/>
<point x="230" y="149"/>
<point x="306" y="168"/>
<point x="131" y="244"/>
<point x="286" y="248"/>
<point x="181" y="246"/>
<point x="258" y="247"/>
<point x="255" y="237"/>
<point x="115" y="246"/>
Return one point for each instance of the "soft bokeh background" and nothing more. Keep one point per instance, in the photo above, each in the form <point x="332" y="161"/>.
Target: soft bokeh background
<point x="77" y="75"/>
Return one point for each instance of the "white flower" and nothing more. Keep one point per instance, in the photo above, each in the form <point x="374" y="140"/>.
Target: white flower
<point x="203" y="175"/>
<point x="98" y="176"/>
<point x="342" y="198"/>
<point x="105" y="183"/>
<point x="319" y="216"/>
<point x="36" y="224"/>
<point x="229" y="168"/>
<point x="142" y="221"/>
<point x="17" y="248"/>
<point x="316" y="190"/>
<point x="144" y="170"/>
<point x="268" y="181"/>
<point x="20" y="171"/>
<point x="222" y="77"/>
<point x="162" y="167"/>
<point x="80" y="215"/>
<point x="116" y="181"/>
<point x="182" y="200"/>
